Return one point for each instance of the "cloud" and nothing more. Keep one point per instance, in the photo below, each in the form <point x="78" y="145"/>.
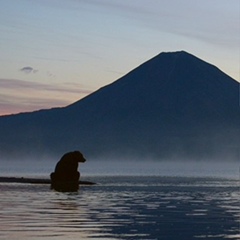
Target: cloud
<point x="191" y="19"/>
<point x="22" y="96"/>
<point x="28" y="70"/>
<point x="15" y="104"/>
<point x="15" y="84"/>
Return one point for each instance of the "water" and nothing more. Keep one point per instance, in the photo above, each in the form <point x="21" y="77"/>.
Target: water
<point x="124" y="207"/>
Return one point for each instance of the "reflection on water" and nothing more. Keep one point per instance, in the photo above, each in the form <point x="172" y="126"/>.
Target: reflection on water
<point x="123" y="208"/>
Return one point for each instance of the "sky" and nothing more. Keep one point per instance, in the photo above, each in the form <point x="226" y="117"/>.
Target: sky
<point x="55" y="52"/>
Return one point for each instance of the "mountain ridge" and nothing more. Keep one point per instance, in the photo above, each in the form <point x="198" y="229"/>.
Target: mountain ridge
<point x="175" y="104"/>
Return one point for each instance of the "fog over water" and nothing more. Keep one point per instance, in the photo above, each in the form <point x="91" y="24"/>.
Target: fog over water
<point x="188" y="168"/>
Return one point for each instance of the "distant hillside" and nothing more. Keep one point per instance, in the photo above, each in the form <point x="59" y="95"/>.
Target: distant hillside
<point x="172" y="106"/>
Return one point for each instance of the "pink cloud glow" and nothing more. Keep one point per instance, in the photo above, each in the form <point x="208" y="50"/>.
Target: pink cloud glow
<point x="23" y="96"/>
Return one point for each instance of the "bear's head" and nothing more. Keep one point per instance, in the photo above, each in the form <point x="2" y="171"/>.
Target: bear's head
<point x="77" y="156"/>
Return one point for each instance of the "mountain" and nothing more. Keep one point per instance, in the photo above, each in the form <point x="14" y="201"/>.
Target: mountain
<point x="173" y="106"/>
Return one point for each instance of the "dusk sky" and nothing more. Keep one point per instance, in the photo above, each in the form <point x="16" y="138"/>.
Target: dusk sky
<point x="54" y="52"/>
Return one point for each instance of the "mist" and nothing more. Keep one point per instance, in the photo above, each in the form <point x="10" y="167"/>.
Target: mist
<point x="126" y="167"/>
<point x="27" y="167"/>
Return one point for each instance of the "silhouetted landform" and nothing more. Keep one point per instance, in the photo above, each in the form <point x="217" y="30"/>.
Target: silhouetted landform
<point x="65" y="178"/>
<point x="173" y="106"/>
<point x="35" y="180"/>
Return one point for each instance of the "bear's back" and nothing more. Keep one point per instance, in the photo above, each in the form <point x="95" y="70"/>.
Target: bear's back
<point x="67" y="165"/>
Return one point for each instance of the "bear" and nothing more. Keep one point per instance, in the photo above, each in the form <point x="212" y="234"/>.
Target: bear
<point x="66" y="175"/>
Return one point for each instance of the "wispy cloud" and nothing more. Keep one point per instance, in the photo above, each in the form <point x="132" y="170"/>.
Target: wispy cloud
<point x="15" y="104"/>
<point x="21" y="96"/>
<point x="15" y="84"/>
<point x="28" y="70"/>
<point x="191" y="19"/>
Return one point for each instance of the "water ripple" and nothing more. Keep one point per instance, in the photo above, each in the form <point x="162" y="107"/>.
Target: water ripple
<point x="123" y="208"/>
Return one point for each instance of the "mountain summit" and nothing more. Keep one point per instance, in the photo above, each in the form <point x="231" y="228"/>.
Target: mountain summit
<point x="173" y="106"/>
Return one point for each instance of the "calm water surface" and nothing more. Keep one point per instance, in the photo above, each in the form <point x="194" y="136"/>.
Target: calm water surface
<point x="123" y="208"/>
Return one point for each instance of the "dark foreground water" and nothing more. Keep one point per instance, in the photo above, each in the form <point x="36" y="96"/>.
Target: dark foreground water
<point x="123" y="208"/>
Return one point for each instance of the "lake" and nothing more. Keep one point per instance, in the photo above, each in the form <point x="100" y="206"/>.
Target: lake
<point x="124" y="207"/>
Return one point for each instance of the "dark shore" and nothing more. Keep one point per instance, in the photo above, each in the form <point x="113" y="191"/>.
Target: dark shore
<point x="34" y="180"/>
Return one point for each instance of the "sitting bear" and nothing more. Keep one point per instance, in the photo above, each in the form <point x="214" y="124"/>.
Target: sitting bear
<point x="66" y="175"/>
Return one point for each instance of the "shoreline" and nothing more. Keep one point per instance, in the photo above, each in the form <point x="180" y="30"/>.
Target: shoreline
<point x="35" y="180"/>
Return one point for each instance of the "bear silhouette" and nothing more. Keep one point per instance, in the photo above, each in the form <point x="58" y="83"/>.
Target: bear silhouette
<point x="66" y="175"/>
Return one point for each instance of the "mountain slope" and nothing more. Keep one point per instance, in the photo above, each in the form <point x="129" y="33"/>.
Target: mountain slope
<point x="174" y="105"/>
